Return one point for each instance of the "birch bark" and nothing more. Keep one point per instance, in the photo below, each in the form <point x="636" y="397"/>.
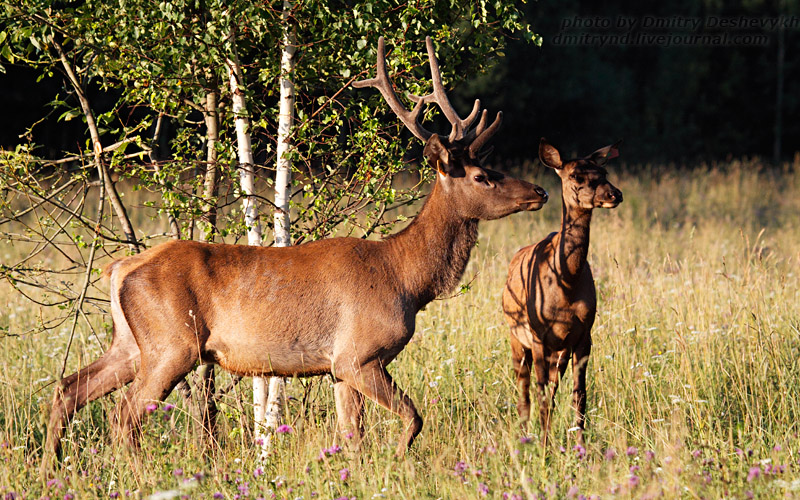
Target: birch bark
<point x="249" y="207"/>
<point x="283" y="193"/>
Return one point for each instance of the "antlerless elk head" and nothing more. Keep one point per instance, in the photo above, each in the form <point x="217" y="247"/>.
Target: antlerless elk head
<point x="584" y="180"/>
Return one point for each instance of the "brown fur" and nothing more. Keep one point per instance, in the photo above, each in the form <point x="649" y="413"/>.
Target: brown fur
<point x="343" y="306"/>
<point x="549" y="300"/>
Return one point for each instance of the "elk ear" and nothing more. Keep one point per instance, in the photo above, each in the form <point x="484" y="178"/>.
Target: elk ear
<point x="437" y="154"/>
<point x="602" y="155"/>
<point x="549" y="155"/>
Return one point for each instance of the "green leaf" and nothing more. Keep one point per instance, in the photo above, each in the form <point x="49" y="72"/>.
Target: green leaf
<point x="69" y="115"/>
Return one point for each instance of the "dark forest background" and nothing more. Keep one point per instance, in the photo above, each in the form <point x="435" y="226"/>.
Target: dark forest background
<point x="681" y="104"/>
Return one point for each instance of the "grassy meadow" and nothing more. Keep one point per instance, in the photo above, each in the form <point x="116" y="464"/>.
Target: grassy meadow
<point x="694" y="379"/>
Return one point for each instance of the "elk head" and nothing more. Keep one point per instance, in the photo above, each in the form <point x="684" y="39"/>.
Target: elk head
<point x="584" y="182"/>
<point x="473" y="191"/>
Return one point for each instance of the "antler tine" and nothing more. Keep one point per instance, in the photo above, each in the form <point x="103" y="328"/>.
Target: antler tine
<point x="383" y="83"/>
<point x="460" y="126"/>
<point x="481" y="126"/>
<point x="482" y="137"/>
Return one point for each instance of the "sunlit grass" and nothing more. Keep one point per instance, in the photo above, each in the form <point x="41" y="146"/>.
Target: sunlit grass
<point x="693" y="380"/>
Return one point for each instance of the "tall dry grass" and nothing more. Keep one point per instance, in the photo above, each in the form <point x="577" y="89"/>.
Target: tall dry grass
<point x="693" y="381"/>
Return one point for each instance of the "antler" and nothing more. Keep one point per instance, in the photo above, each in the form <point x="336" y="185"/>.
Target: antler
<point x="439" y="96"/>
<point x="382" y="82"/>
<point x="460" y="131"/>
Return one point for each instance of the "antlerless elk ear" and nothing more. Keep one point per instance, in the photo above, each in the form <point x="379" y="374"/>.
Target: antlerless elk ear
<point x="602" y="155"/>
<point x="437" y="154"/>
<point x="549" y="155"/>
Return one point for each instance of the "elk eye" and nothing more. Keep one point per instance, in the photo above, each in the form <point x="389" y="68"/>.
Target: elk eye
<point x="480" y="178"/>
<point x="578" y="178"/>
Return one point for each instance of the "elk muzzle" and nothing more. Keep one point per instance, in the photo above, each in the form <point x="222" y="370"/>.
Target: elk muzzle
<point x="538" y="197"/>
<point x="611" y="198"/>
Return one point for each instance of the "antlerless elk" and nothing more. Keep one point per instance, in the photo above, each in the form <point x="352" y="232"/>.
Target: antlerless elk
<point x="549" y="300"/>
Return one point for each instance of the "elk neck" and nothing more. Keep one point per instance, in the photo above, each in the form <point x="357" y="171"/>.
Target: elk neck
<point x="573" y="242"/>
<point x="432" y="252"/>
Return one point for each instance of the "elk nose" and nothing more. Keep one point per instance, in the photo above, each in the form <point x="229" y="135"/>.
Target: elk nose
<point x="541" y="192"/>
<point x="617" y="196"/>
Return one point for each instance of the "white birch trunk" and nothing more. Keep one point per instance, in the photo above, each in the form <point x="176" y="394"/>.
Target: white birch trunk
<point x="250" y="209"/>
<point x="283" y="181"/>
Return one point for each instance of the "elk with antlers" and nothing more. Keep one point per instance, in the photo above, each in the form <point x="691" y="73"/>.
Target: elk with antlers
<point x="549" y="299"/>
<point x="340" y="306"/>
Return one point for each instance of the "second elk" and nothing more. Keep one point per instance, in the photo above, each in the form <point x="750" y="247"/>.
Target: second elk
<point x="549" y="300"/>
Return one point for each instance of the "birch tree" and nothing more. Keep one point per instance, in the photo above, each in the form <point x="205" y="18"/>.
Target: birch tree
<point x="282" y="220"/>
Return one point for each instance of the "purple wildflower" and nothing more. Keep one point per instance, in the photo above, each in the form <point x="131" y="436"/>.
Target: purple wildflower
<point x="483" y="489"/>
<point x="580" y="451"/>
<point x="258" y="472"/>
<point x="168" y="407"/>
<point x="649" y="455"/>
<point x="177" y="472"/>
<point x="754" y="473"/>
<point x="460" y="467"/>
<point x="611" y="454"/>
<point x="525" y="439"/>
<point x="151" y="408"/>
<point x="632" y="451"/>
<point x="284" y="429"/>
<point x="696" y="453"/>
<point x="777" y="447"/>
<point x="218" y="495"/>
<point x="333" y="450"/>
<point x="572" y="491"/>
<point x="633" y="481"/>
<point x="344" y="474"/>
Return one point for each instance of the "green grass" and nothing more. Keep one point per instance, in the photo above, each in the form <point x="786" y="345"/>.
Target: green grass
<point x="693" y="381"/>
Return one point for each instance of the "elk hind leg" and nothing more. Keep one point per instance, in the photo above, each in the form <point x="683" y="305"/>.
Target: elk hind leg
<point x="157" y="377"/>
<point x="113" y="370"/>
<point x="522" y="359"/>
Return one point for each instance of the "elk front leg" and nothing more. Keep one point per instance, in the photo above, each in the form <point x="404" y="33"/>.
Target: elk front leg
<point x="521" y="359"/>
<point x="541" y="367"/>
<point x="550" y="367"/>
<point x="349" y="411"/>
<point x="373" y="381"/>
<point x="580" y="360"/>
